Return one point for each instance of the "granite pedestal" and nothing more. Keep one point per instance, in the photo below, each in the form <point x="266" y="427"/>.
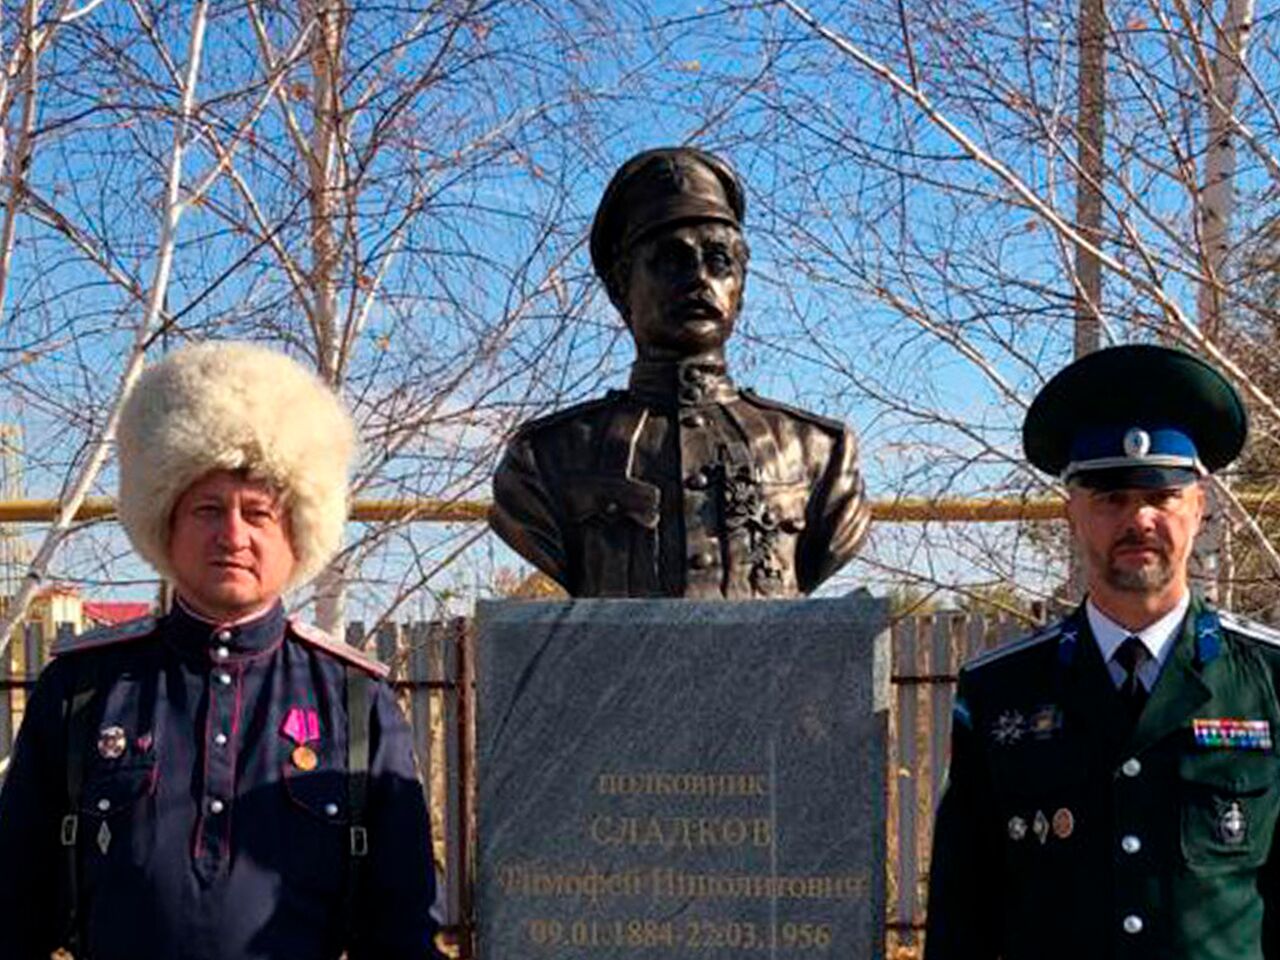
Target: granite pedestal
<point x="680" y="779"/>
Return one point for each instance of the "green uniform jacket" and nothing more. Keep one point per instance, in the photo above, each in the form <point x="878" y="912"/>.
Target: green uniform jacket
<point x="1060" y="835"/>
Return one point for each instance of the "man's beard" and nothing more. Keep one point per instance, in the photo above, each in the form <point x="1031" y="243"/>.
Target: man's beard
<point x="1148" y="578"/>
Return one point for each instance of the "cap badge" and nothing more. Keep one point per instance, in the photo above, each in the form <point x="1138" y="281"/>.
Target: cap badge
<point x="1137" y="442"/>
<point x="112" y="742"/>
<point x="1232" y="825"/>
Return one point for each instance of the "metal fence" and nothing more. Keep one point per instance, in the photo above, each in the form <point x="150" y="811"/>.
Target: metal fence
<point x="431" y="671"/>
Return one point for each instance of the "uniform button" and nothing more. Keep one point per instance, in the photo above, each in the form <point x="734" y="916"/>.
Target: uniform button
<point x="694" y="420"/>
<point x="611" y="508"/>
<point x="697" y="481"/>
<point x="216" y="806"/>
<point x="224" y="678"/>
<point x="104" y="804"/>
<point x="220" y="739"/>
<point x="331" y="809"/>
<point x="702" y="560"/>
<point x="1132" y="767"/>
<point x="1130" y="844"/>
<point x="221" y="653"/>
<point x="1133" y="923"/>
<point x="223" y="635"/>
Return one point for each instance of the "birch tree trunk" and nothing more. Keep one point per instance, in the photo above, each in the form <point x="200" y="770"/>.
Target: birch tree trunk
<point x="1215" y="205"/>
<point x="325" y="170"/>
<point x="80" y="484"/>
<point x="1090" y="149"/>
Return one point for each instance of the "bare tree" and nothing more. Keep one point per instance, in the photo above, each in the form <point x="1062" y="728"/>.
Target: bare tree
<point x="390" y="192"/>
<point x="932" y="204"/>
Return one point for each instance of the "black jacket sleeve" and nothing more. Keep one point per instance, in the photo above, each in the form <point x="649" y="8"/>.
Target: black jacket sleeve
<point x="394" y="916"/>
<point x="32" y="804"/>
<point x="964" y="877"/>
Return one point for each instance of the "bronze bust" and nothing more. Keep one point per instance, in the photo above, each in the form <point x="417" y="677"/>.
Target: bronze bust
<point x="682" y="485"/>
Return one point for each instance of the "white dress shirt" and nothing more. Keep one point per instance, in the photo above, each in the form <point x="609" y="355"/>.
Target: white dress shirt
<point x="1158" y="638"/>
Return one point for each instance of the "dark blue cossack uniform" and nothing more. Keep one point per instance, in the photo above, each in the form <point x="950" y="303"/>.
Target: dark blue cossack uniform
<point x="193" y="790"/>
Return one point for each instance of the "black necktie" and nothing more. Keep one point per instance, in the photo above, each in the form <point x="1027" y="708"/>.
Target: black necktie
<point x="1131" y="655"/>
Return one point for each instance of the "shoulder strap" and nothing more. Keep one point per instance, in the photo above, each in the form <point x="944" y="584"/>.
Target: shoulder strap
<point x="76" y="717"/>
<point x="313" y="636"/>
<point x="357" y="789"/>
<point x="103" y="636"/>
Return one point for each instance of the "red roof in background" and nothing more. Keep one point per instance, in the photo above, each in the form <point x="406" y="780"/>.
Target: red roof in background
<point x="111" y="612"/>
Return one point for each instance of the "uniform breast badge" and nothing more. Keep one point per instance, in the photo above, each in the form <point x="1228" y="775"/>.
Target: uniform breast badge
<point x="1008" y="728"/>
<point x="1045" y="722"/>
<point x="1232" y="734"/>
<point x="302" y="726"/>
<point x="1017" y="828"/>
<point x="1232" y="826"/>
<point x="112" y="742"/>
<point x="1040" y="827"/>
<point x="1064" y="823"/>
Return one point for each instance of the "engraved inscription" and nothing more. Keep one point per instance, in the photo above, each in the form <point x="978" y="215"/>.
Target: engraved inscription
<point x="589" y="906"/>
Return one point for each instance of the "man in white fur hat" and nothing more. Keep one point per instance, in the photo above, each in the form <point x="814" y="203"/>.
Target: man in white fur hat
<point x="222" y="782"/>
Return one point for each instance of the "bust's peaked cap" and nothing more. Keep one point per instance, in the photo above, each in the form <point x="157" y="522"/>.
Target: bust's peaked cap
<point x="659" y="188"/>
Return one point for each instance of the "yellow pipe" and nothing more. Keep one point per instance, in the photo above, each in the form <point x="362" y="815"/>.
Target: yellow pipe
<point x="902" y="510"/>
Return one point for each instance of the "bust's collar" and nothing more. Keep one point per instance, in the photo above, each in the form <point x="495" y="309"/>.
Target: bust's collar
<point x="692" y="382"/>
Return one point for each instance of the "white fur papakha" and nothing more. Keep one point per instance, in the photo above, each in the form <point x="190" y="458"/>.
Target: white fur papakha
<point x="235" y="406"/>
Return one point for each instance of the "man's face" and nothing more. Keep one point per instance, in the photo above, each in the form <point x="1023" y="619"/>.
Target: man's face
<point x="1136" y="541"/>
<point x="685" y="289"/>
<point x="229" y="546"/>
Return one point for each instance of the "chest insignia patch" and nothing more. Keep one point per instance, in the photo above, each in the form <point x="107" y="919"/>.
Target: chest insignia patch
<point x="1232" y="734"/>
<point x="112" y="742"/>
<point x="1045" y="722"/>
<point x="1008" y="728"/>
<point x="1232" y="825"/>
<point x="1040" y="827"/>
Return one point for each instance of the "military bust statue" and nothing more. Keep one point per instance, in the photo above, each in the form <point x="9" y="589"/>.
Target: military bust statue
<point x="682" y="485"/>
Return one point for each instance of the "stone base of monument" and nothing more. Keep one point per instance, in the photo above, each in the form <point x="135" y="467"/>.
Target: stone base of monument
<point x="679" y="779"/>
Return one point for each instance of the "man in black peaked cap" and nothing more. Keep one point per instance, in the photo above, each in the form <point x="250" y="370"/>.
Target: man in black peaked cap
<point x="1114" y="782"/>
<point x="681" y="485"/>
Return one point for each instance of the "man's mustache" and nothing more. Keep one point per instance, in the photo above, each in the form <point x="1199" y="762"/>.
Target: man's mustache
<point x="701" y="303"/>
<point x="1137" y="540"/>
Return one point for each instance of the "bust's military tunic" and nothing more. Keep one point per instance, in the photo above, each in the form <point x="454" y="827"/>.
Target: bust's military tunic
<point x="683" y="486"/>
<point x="200" y="835"/>
<point x="1060" y="835"/>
